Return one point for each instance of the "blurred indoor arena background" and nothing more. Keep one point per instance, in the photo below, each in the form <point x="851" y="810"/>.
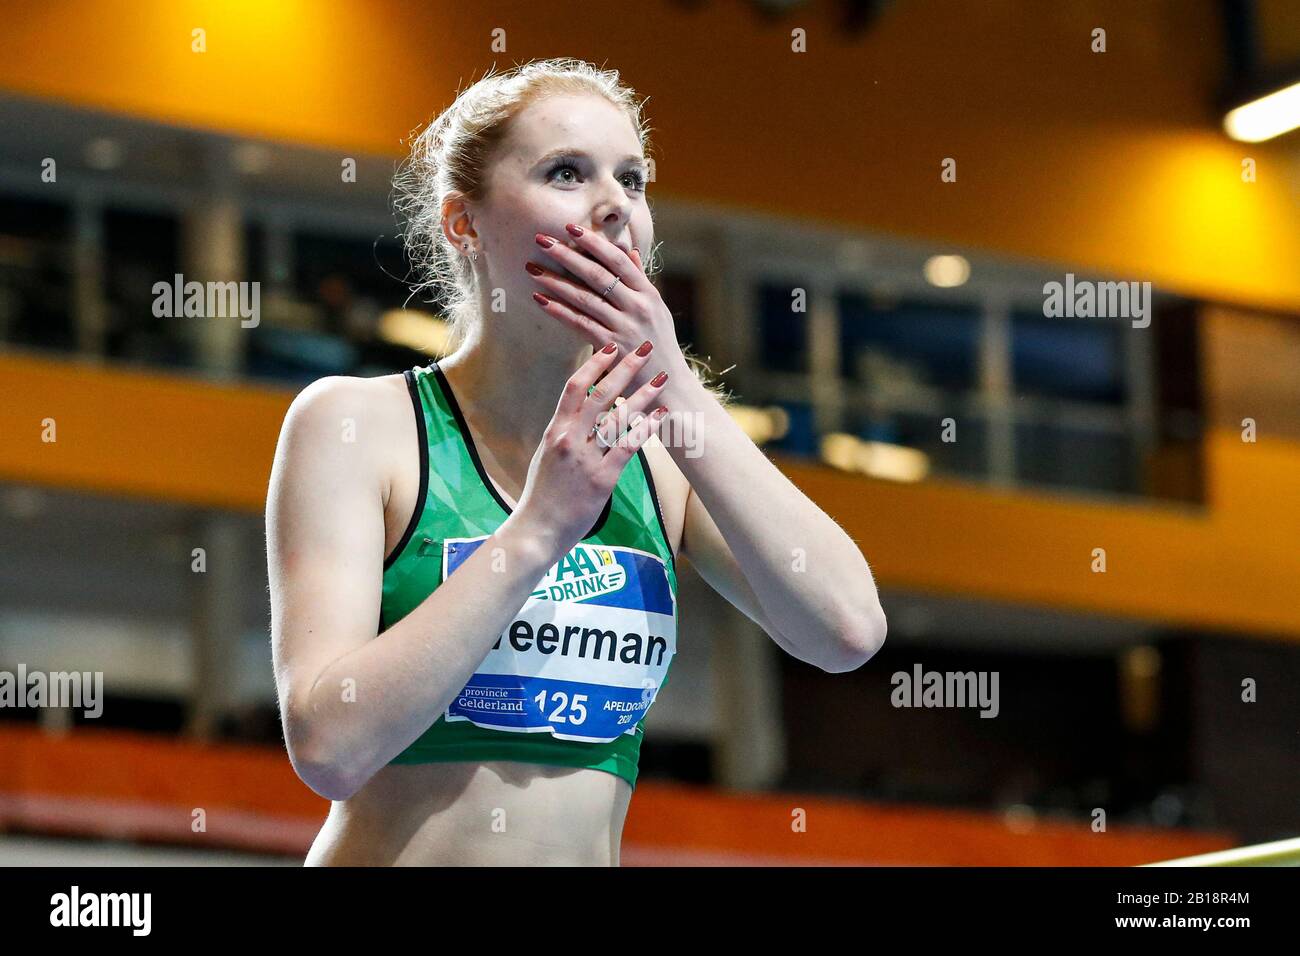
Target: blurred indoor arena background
<point x="1160" y="691"/>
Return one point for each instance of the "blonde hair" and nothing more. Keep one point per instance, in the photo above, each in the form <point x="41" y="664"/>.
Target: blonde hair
<point x="454" y="154"/>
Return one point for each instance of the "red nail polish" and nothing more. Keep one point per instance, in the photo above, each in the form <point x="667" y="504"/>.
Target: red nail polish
<point x="533" y="268"/>
<point x="661" y="410"/>
<point x="645" y="348"/>
<point x="609" y="349"/>
<point x="544" y="240"/>
<point x="659" y="379"/>
<point x="574" y="230"/>
<point x="541" y="299"/>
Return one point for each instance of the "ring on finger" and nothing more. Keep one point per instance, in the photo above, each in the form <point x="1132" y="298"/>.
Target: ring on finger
<point x="609" y="288"/>
<point x="596" y="429"/>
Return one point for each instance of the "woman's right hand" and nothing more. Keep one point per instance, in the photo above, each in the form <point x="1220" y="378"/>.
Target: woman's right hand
<point x="574" y="470"/>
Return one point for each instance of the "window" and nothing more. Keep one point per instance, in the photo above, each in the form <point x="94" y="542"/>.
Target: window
<point x="1076" y="359"/>
<point x="141" y="249"/>
<point x="801" y="437"/>
<point x="783" y="332"/>
<point x="255" y="253"/>
<point x="36" y="273"/>
<point x="965" y="455"/>
<point x="908" y="346"/>
<point x="331" y="269"/>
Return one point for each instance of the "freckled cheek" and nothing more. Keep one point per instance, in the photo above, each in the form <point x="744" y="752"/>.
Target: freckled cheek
<point x="520" y="225"/>
<point x="511" y="243"/>
<point x="543" y="210"/>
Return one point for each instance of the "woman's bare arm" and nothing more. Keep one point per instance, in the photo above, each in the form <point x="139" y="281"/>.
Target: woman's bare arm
<point x="350" y="701"/>
<point x="800" y="577"/>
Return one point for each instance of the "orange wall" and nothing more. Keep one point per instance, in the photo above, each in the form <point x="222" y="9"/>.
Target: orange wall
<point x="124" y="785"/>
<point x="1110" y="161"/>
<point x="1278" y="27"/>
<point x="1233" y="564"/>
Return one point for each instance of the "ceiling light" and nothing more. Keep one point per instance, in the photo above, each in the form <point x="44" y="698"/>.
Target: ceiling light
<point x="104" y="153"/>
<point x="947" y="272"/>
<point x="251" y="159"/>
<point x="1266" y="117"/>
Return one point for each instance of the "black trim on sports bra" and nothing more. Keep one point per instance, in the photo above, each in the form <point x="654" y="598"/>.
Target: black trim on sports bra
<point x="478" y="462"/>
<point x="414" y="390"/>
<point x="659" y="511"/>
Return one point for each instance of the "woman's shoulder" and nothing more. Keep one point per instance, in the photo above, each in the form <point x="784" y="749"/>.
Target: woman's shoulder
<point x="350" y="399"/>
<point x="338" y="413"/>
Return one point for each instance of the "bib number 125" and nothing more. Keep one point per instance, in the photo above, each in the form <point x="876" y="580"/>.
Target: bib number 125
<point x="577" y="711"/>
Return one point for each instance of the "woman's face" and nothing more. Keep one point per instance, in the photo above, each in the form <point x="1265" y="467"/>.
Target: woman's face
<point x="565" y="159"/>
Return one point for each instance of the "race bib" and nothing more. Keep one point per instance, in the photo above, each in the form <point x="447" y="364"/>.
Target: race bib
<point x="586" y="654"/>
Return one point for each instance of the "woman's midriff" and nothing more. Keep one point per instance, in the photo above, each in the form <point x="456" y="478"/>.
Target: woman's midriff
<point x="495" y="813"/>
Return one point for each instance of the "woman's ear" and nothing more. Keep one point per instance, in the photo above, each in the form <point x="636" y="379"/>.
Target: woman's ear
<point x="457" y="224"/>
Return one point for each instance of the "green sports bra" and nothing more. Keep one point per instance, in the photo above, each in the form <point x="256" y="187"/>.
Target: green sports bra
<point x="571" y="678"/>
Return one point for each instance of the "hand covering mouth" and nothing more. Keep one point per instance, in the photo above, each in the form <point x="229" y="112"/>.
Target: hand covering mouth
<point x="578" y="279"/>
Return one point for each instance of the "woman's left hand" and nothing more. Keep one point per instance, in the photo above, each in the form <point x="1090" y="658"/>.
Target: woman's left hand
<point x="632" y="313"/>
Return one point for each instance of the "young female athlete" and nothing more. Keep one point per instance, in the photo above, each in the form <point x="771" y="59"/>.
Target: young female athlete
<point x="473" y="565"/>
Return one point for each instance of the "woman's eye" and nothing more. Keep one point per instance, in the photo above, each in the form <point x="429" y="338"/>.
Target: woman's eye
<point x="633" y="179"/>
<point x="561" y="168"/>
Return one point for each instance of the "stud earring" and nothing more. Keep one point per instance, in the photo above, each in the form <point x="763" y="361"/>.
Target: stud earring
<point x="473" y="256"/>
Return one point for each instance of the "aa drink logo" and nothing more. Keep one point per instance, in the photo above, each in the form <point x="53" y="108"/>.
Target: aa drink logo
<point x="583" y="573"/>
<point x="610" y="576"/>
